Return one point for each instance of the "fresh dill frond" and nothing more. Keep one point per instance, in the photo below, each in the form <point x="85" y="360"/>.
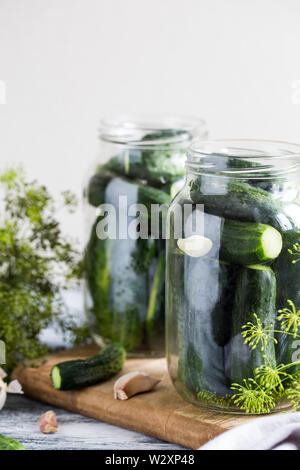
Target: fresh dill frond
<point x="289" y="318"/>
<point x="293" y="391"/>
<point x="252" y="397"/>
<point x="272" y="378"/>
<point x="256" y="334"/>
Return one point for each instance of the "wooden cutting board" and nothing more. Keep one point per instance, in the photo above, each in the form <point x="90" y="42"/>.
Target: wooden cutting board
<point x="160" y="413"/>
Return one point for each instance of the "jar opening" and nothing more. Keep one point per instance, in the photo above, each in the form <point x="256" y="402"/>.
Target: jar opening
<point x="152" y="131"/>
<point x="242" y="158"/>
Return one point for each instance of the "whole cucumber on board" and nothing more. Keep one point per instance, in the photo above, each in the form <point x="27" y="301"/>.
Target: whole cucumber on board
<point x="81" y="373"/>
<point x="7" y="443"/>
<point x="288" y="281"/>
<point x="249" y="243"/>
<point x="255" y="293"/>
<point x="201" y="361"/>
<point x="240" y="201"/>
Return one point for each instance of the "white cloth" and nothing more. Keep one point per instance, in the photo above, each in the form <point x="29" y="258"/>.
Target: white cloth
<point x="277" y="432"/>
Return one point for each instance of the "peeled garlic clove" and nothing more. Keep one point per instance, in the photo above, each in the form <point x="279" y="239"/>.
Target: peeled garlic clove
<point x="195" y="246"/>
<point x="48" y="422"/>
<point x="2" y="393"/>
<point x="132" y="383"/>
<point x="14" y="387"/>
<point x="3" y="374"/>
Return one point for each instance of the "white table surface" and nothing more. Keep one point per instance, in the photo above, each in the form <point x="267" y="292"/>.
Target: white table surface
<point x="18" y="419"/>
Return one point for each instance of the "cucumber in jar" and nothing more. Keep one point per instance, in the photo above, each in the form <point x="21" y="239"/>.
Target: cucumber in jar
<point x="155" y="321"/>
<point x="240" y="201"/>
<point x="97" y="274"/>
<point x="287" y="270"/>
<point x="254" y="300"/>
<point x="156" y="167"/>
<point x="249" y="243"/>
<point x="201" y="365"/>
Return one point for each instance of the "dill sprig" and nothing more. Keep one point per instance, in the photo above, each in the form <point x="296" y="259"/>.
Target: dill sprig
<point x="252" y="397"/>
<point x="289" y="318"/>
<point x="256" y="334"/>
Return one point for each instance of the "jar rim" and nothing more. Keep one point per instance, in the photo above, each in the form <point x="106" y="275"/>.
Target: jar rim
<point x="142" y="131"/>
<point x="244" y="157"/>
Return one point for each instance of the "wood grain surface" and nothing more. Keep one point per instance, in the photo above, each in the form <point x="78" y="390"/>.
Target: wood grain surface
<point x="161" y="413"/>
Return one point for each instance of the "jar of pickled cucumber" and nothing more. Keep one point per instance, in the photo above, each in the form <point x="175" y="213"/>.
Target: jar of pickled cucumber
<point x="233" y="277"/>
<point x="140" y="165"/>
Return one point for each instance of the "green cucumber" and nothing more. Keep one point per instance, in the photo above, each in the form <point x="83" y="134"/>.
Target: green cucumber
<point x="98" y="277"/>
<point x="201" y="360"/>
<point x="157" y="167"/>
<point x="7" y="443"/>
<point x="155" y="321"/>
<point x="240" y="201"/>
<point x="71" y="375"/>
<point x="255" y="293"/>
<point x="288" y="281"/>
<point x="249" y="243"/>
<point x="97" y="186"/>
<point x="222" y="312"/>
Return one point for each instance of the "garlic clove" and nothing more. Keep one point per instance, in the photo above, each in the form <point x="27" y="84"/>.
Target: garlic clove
<point x="132" y="383"/>
<point x="14" y="387"/>
<point x="3" y="374"/>
<point x="48" y="422"/>
<point x="195" y="246"/>
<point x="2" y="393"/>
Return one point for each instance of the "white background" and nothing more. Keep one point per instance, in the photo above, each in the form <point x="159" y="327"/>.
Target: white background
<point x="66" y="63"/>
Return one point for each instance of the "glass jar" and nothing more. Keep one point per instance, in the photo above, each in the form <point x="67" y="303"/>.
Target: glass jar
<point x="233" y="277"/>
<point x="141" y="163"/>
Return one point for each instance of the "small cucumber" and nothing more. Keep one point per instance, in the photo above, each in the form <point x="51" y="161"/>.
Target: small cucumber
<point x="81" y="373"/>
<point x="255" y="293"/>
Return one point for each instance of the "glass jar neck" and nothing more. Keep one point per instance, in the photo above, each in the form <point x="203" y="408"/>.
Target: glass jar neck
<point x="152" y="132"/>
<point x="242" y="159"/>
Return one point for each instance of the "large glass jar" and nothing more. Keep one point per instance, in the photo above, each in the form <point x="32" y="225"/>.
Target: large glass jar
<point x="141" y="163"/>
<point x="233" y="277"/>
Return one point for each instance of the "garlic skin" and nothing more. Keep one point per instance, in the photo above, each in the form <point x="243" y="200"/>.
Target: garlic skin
<point x="48" y="422"/>
<point x="14" y="387"/>
<point x="3" y="374"/>
<point x="2" y="393"/>
<point x="195" y="246"/>
<point x="132" y="383"/>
